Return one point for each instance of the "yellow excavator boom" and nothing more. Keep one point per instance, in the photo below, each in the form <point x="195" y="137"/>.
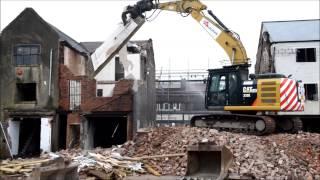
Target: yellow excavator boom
<point x="227" y="39"/>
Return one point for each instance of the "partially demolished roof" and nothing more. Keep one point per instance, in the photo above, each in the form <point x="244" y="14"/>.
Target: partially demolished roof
<point x="73" y="43"/>
<point x="91" y="46"/>
<point x="62" y="36"/>
<point x="292" y="31"/>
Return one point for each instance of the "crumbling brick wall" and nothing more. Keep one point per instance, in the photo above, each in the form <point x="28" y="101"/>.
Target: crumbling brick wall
<point x="121" y="101"/>
<point x="88" y="87"/>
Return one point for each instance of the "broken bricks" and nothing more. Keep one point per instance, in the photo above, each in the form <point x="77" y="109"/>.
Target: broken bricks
<point x="162" y="151"/>
<point x="278" y="156"/>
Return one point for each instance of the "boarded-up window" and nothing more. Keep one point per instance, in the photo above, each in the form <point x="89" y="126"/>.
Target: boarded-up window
<point x="119" y="70"/>
<point x="26" y="54"/>
<point x="306" y="55"/>
<point x="311" y="91"/>
<point x="75" y="94"/>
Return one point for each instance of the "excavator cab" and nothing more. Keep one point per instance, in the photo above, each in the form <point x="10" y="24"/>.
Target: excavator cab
<point x="224" y="86"/>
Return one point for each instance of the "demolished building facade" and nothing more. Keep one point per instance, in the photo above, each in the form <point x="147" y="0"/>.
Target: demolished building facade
<point x="49" y="96"/>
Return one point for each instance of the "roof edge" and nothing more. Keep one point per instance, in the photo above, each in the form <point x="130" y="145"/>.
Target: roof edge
<point x="290" y="20"/>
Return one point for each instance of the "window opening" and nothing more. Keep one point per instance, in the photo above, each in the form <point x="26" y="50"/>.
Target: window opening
<point x="311" y="91"/>
<point x="75" y="94"/>
<point x="306" y="55"/>
<point x="26" y="54"/>
<point x="26" y="92"/>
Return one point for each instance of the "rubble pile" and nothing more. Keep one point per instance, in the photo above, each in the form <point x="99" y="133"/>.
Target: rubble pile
<point x="20" y="166"/>
<point x="95" y="164"/>
<point x="278" y="156"/>
<point x="100" y="163"/>
<point x="162" y="151"/>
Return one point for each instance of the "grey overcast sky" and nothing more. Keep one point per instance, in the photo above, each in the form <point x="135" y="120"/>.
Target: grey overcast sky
<point x="179" y="42"/>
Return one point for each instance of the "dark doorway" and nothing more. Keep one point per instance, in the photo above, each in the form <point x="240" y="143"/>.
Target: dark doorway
<point x="74" y="136"/>
<point x="108" y="131"/>
<point x="62" y="131"/>
<point x="29" y="138"/>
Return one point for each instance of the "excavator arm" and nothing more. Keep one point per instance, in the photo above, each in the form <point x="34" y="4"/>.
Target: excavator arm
<point x="227" y="39"/>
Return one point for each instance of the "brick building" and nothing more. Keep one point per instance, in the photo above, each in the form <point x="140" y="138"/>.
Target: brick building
<point x="134" y="63"/>
<point x="48" y="93"/>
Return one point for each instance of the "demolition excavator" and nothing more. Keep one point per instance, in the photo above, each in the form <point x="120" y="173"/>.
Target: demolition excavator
<point x="250" y="103"/>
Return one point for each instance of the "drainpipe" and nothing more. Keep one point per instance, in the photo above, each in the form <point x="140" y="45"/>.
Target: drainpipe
<point x="273" y="66"/>
<point x="50" y="72"/>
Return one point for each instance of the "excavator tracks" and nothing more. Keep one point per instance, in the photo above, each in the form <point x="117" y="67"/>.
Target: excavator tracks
<point x="290" y="124"/>
<point x="297" y="125"/>
<point x="251" y="124"/>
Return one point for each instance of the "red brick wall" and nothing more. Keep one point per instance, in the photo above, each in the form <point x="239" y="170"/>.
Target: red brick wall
<point x="64" y="76"/>
<point x="88" y="87"/>
<point x="121" y="100"/>
<point x="73" y="118"/>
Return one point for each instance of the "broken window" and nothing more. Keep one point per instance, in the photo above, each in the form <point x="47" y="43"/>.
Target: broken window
<point x="75" y="94"/>
<point x="119" y="70"/>
<point x="26" y="54"/>
<point x="306" y="55"/>
<point x="311" y="91"/>
<point x="99" y="92"/>
<point x="26" y="92"/>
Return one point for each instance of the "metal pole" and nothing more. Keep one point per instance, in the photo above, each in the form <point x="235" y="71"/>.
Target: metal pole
<point x="50" y="72"/>
<point x="233" y="53"/>
<point x="5" y="137"/>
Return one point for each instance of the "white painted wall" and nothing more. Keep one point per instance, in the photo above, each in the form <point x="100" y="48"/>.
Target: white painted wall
<point x="132" y="67"/>
<point x="45" y="135"/>
<point x="308" y="72"/>
<point x="13" y="133"/>
<point x="132" y="70"/>
<point x="107" y="73"/>
<point x="107" y="89"/>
